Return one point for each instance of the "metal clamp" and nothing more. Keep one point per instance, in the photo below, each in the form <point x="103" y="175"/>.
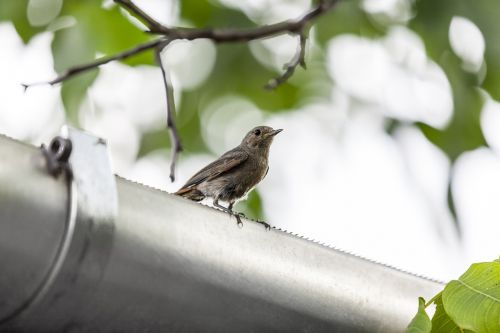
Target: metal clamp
<point x="92" y="209"/>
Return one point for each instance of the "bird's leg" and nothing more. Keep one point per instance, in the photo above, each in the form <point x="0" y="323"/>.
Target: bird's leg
<point x="216" y="204"/>
<point x="228" y="210"/>
<point x="237" y="215"/>
<point x="266" y="225"/>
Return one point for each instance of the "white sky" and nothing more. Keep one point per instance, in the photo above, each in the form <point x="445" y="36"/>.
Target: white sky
<point x="335" y="175"/>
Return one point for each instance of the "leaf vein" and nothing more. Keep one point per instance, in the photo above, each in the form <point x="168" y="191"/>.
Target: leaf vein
<point x="479" y="291"/>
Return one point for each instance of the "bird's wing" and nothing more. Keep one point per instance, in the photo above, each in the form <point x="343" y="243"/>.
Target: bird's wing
<point x="223" y="164"/>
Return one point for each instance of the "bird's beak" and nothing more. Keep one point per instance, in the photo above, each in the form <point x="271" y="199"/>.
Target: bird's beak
<point x="273" y="133"/>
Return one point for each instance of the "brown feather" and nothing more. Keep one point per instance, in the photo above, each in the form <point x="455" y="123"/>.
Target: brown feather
<point x="223" y="164"/>
<point x="191" y="194"/>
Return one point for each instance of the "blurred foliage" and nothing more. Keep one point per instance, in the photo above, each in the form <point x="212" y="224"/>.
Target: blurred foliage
<point x="347" y="17"/>
<point x="96" y="31"/>
<point x="202" y="13"/>
<point x="105" y="30"/>
<point x="469" y="304"/>
<point x="15" y="11"/>
<point x="432" y="23"/>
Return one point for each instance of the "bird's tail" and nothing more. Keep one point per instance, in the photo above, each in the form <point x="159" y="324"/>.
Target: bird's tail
<point x="191" y="194"/>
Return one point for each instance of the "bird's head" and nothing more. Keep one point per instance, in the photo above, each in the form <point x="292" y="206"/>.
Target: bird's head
<point x="260" y="137"/>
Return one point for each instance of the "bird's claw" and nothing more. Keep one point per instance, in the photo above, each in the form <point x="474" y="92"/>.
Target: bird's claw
<point x="238" y="217"/>
<point x="238" y="221"/>
<point x="266" y="225"/>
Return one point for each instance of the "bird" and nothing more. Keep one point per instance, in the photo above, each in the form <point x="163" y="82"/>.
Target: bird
<point x="233" y="175"/>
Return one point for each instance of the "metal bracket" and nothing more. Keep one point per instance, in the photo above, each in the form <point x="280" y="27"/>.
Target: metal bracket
<point x="92" y="209"/>
<point x="57" y="155"/>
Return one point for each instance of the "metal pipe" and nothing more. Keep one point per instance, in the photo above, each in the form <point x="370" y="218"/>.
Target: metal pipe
<point x="175" y="265"/>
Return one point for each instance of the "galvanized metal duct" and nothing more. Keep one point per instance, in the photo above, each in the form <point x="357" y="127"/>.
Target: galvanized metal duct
<point x="171" y="265"/>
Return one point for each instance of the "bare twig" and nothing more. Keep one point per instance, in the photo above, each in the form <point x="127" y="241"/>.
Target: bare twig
<point x="175" y="140"/>
<point x="302" y="50"/>
<point x="298" y="59"/>
<point x="151" y="23"/>
<point x="73" y="71"/>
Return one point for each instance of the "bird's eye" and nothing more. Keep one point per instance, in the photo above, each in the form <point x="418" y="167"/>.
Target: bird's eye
<point x="257" y="132"/>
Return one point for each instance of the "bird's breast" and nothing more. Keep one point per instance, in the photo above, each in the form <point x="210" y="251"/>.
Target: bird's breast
<point x="252" y="173"/>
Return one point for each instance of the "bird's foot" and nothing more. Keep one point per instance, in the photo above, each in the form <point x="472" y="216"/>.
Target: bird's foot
<point x="239" y="215"/>
<point x="240" y="224"/>
<point x="266" y="225"/>
<point x="238" y="220"/>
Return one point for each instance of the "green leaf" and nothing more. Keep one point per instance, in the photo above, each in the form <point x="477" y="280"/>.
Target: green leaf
<point x="464" y="132"/>
<point x="346" y="18"/>
<point x="441" y="322"/>
<point x="73" y="91"/>
<point x="198" y="12"/>
<point x="97" y="30"/>
<point x="432" y="23"/>
<point x="106" y="31"/>
<point x="473" y="301"/>
<point x="234" y="62"/>
<point x="421" y="322"/>
<point x="114" y="33"/>
<point x="16" y="11"/>
<point x="206" y="13"/>
<point x="433" y="19"/>
<point x="71" y="47"/>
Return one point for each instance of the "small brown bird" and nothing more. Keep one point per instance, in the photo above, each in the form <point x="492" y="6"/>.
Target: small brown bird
<point x="234" y="174"/>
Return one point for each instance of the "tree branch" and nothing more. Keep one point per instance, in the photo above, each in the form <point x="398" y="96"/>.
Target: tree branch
<point x="73" y="71"/>
<point x="217" y="35"/>
<point x="151" y="23"/>
<point x="298" y="59"/>
<point x="247" y="34"/>
<point x="175" y="140"/>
